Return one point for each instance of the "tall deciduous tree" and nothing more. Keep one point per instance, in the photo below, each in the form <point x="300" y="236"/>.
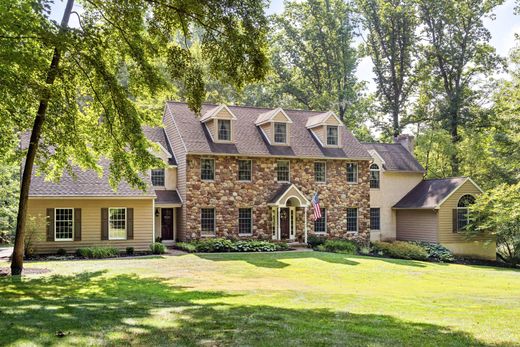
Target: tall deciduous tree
<point x="391" y="41"/>
<point x="457" y="54"/>
<point x="313" y="55"/>
<point x="75" y="88"/>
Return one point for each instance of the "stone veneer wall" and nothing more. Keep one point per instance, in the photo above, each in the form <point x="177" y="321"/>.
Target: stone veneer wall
<point x="226" y="194"/>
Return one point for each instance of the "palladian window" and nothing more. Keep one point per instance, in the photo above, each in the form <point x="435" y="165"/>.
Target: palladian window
<point x="462" y="212"/>
<point x="374" y="176"/>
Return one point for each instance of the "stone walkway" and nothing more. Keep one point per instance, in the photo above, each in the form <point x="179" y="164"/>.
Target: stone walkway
<point x="5" y="253"/>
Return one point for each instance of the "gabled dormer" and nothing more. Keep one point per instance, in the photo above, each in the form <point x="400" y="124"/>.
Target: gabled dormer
<point x="325" y="127"/>
<point x="275" y="125"/>
<point x="220" y="123"/>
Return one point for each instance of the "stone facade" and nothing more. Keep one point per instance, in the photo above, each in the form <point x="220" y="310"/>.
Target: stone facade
<point x="226" y="194"/>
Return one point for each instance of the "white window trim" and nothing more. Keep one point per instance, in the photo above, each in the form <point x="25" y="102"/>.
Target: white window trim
<point x="164" y="172"/>
<point x="214" y="232"/>
<point x="357" y="222"/>
<point x="356" y="181"/>
<point x="286" y="134"/>
<point x="252" y="217"/>
<point x="370" y="170"/>
<point x="126" y="224"/>
<point x="327" y="135"/>
<point x="230" y="130"/>
<point x="63" y="208"/>
<point x="289" y="166"/>
<point x="325" y="163"/>
<point x="204" y="179"/>
<point x="326" y="227"/>
<point x="238" y="174"/>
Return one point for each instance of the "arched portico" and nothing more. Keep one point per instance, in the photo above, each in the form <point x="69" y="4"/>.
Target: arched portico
<point x="283" y="212"/>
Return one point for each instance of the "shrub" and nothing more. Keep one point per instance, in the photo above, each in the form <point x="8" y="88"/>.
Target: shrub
<point x="339" y="246"/>
<point x="97" y="252"/>
<point x="436" y="251"/>
<point x="158" y="239"/>
<point x="157" y="248"/>
<point x="314" y="241"/>
<point x="189" y="247"/>
<point x="225" y="245"/>
<point x="130" y="250"/>
<point x="61" y="252"/>
<point x="401" y="249"/>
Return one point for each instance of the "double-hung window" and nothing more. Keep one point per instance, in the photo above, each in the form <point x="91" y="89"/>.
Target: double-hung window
<point x="375" y="219"/>
<point x="224" y="129"/>
<point x="320" y="225"/>
<point x="117" y="223"/>
<point x="352" y="220"/>
<point x="158" y="177"/>
<point x="352" y="172"/>
<point x="332" y="135"/>
<point x="207" y="169"/>
<point x="244" y="170"/>
<point x="64" y="224"/>
<point x="374" y="176"/>
<point x="207" y="221"/>
<point x="282" y="171"/>
<point x="320" y="171"/>
<point x="280" y="132"/>
<point x="245" y="221"/>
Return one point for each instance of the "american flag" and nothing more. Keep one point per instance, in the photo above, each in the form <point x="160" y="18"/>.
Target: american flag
<point x="316" y="206"/>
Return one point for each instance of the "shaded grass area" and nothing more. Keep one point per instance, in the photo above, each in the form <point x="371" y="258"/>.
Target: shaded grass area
<point x="237" y="299"/>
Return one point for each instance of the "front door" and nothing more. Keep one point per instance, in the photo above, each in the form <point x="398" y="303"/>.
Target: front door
<point x="167" y="223"/>
<point x="284" y="223"/>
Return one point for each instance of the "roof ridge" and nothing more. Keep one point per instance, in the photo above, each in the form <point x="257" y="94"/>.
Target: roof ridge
<point x="252" y="107"/>
<point x="445" y="178"/>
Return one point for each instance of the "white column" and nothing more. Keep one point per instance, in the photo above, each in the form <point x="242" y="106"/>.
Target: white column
<point x="305" y="224"/>
<point x="153" y="219"/>
<point x="278" y="231"/>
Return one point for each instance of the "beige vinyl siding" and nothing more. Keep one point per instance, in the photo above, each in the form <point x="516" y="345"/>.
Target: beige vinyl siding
<point x="170" y="179"/>
<point x="91" y="223"/>
<point x="179" y="150"/>
<point x="446" y="234"/>
<point x="417" y="225"/>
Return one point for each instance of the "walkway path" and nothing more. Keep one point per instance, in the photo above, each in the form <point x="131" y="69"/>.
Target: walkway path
<point x="5" y="252"/>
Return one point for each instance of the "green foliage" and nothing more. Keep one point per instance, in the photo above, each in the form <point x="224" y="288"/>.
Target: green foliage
<point x="5" y="237"/>
<point x="401" y="250"/>
<point x="61" y="252"/>
<point x="130" y="251"/>
<point x="390" y="43"/>
<point x="338" y="246"/>
<point x="9" y="191"/>
<point x="436" y="251"/>
<point x="97" y="252"/>
<point x="314" y="59"/>
<point x="497" y="212"/>
<point x="31" y="233"/>
<point x="157" y="248"/>
<point x="315" y="240"/>
<point x="221" y="245"/>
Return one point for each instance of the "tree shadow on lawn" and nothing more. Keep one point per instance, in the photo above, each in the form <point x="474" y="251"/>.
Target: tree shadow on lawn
<point x="95" y="310"/>
<point x="275" y="260"/>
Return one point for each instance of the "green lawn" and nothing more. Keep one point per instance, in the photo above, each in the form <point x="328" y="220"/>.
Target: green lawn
<point x="284" y="299"/>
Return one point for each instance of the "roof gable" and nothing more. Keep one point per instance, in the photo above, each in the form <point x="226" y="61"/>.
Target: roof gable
<point x="327" y="118"/>
<point x="395" y="157"/>
<point x="219" y="112"/>
<point x="276" y="115"/>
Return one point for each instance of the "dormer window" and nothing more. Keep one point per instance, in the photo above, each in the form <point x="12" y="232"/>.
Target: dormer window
<point x="158" y="177"/>
<point x="332" y="135"/>
<point x="224" y="129"/>
<point x="280" y="132"/>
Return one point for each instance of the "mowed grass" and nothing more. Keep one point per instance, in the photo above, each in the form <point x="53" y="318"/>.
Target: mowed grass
<point x="282" y="299"/>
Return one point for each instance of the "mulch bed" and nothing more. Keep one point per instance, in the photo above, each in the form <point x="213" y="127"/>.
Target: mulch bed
<point x="5" y="271"/>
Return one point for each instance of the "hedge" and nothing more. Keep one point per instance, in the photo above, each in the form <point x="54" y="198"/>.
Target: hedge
<point x="225" y="245"/>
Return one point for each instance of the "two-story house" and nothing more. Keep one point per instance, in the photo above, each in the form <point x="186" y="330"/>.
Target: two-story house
<point x="248" y="172"/>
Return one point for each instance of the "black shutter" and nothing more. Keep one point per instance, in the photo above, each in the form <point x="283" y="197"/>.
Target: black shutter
<point x="77" y="224"/>
<point x="130" y="223"/>
<point x="455" y="220"/>
<point x="50" y="224"/>
<point x="104" y="224"/>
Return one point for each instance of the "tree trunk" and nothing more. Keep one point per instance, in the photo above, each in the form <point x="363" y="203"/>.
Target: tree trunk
<point x="18" y="252"/>
<point x="455" y="139"/>
<point x="395" y="121"/>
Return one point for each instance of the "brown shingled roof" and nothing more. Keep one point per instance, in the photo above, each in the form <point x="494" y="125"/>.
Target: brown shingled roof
<point x="395" y="156"/>
<point x="429" y="194"/>
<point x="249" y="139"/>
